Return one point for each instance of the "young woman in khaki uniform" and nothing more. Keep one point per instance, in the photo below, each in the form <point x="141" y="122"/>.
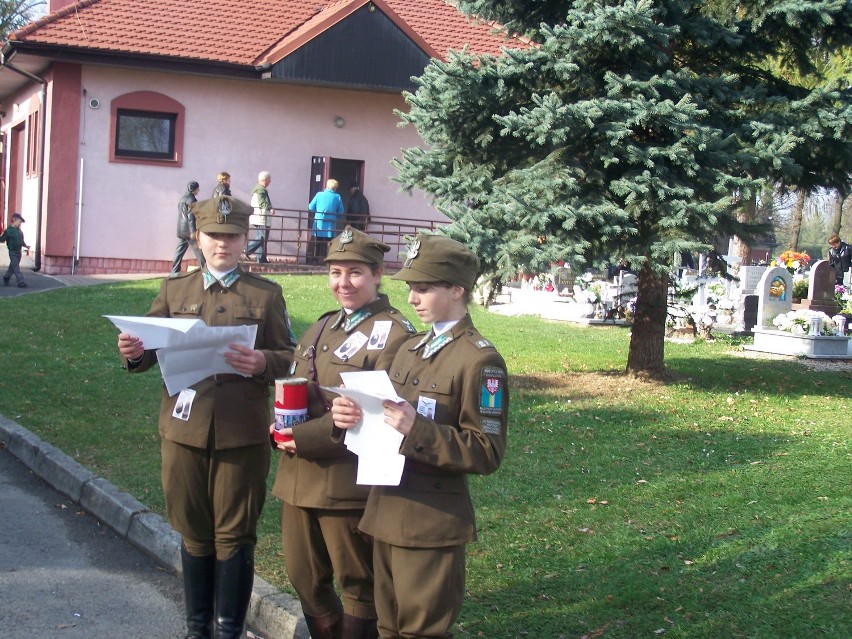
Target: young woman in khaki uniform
<point x="316" y="475"/>
<point x="215" y="448"/>
<point x="454" y="421"/>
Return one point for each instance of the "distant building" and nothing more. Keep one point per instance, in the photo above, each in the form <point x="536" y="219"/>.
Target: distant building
<point x="109" y="107"/>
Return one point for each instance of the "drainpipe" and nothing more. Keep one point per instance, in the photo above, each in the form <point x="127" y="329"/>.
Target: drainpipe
<point x="4" y="62"/>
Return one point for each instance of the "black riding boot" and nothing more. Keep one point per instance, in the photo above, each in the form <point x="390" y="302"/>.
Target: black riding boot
<point x="325" y="627"/>
<point x="359" y="628"/>
<point x="234" y="580"/>
<point x="199" y="575"/>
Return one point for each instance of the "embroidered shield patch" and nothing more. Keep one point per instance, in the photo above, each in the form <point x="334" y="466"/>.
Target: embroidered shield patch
<point x="491" y="395"/>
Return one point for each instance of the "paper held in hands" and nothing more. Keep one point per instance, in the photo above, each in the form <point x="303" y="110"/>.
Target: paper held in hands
<point x="187" y="350"/>
<point x="375" y="442"/>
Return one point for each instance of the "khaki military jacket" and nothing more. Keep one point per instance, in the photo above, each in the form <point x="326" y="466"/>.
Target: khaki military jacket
<point x="322" y="474"/>
<point x="458" y="384"/>
<point x="237" y="406"/>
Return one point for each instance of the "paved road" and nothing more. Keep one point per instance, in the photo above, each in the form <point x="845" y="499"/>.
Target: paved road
<point x="64" y="574"/>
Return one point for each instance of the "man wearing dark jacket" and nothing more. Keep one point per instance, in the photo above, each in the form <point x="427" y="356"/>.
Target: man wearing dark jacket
<point x="840" y="257"/>
<point x="186" y="232"/>
<point x="358" y="209"/>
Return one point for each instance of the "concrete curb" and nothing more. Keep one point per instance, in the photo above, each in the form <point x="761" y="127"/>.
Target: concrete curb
<point x="273" y="614"/>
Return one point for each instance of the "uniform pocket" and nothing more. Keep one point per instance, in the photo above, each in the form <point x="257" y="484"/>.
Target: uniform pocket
<point x="249" y="314"/>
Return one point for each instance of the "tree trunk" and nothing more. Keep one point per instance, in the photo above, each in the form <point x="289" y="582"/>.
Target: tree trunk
<point x="839" y="205"/>
<point x="796" y="220"/>
<point x="647" y="341"/>
<point x="746" y="214"/>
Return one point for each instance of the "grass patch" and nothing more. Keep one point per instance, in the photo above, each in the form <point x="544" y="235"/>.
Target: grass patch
<point x="714" y="506"/>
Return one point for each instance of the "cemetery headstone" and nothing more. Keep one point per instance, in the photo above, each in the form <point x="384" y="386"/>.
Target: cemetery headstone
<point x="775" y="296"/>
<point x="750" y="278"/>
<point x="821" y="289"/>
<point x="747" y="317"/>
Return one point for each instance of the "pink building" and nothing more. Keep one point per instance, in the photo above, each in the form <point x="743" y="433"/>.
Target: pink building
<point x="108" y="108"/>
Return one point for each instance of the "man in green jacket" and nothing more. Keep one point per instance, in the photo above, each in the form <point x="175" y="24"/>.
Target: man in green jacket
<point x="14" y="239"/>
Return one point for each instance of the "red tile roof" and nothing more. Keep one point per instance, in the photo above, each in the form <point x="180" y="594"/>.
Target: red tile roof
<point x="240" y="32"/>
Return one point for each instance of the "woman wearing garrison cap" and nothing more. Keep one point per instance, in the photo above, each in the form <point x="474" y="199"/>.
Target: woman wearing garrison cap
<point x="316" y="475"/>
<point x="454" y="422"/>
<point x="214" y="440"/>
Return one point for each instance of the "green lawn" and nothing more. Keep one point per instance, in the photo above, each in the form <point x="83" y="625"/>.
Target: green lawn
<point x="715" y="506"/>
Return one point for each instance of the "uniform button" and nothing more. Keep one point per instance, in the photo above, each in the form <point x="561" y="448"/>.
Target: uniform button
<point x="324" y="348"/>
<point x="220" y="309"/>
<point x="396" y="375"/>
<point x="434" y="386"/>
<point x="225" y="291"/>
<point x="416" y="381"/>
<point x="418" y="449"/>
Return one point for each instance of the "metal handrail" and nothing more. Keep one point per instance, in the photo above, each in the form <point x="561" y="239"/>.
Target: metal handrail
<point x="290" y="234"/>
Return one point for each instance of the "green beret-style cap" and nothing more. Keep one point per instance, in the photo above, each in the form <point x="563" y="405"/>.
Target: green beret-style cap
<point x="223" y="214"/>
<point x="353" y="245"/>
<point x="435" y="258"/>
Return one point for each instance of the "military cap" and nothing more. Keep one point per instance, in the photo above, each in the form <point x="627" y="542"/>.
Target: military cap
<point x="222" y="214"/>
<point x="191" y="186"/>
<point x="354" y="246"/>
<point x="435" y="258"/>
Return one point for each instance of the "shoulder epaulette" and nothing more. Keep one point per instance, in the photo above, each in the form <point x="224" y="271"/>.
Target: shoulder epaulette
<point x="402" y="319"/>
<point x="260" y="278"/>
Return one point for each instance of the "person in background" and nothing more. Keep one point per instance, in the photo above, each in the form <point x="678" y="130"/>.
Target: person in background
<point x="316" y="475"/>
<point x="214" y="434"/>
<point x="358" y="208"/>
<point x="327" y="206"/>
<point x="13" y="236"/>
<point x="186" y="232"/>
<point x="223" y="184"/>
<point x="454" y="421"/>
<point x="261" y="219"/>
<point x="839" y="257"/>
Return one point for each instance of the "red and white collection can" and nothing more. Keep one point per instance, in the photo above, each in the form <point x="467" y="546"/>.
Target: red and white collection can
<point x="291" y="405"/>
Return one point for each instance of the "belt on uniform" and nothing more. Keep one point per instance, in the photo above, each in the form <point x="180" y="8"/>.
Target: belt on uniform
<point x="222" y="378"/>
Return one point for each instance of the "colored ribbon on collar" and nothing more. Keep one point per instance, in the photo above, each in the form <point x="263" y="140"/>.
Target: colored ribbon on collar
<point x="437" y="344"/>
<point x="350" y="321"/>
<point x="226" y="282"/>
<point x="356" y="318"/>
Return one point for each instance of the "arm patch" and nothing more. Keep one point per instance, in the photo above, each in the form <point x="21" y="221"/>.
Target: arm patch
<point x="492" y="391"/>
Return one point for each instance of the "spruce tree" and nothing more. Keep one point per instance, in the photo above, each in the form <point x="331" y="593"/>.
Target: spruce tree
<point x="626" y="130"/>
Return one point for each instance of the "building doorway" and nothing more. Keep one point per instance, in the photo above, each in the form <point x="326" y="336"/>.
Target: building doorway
<point x="346" y="172"/>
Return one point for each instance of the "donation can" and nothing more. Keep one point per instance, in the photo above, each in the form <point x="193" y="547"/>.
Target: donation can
<point x="291" y="405"/>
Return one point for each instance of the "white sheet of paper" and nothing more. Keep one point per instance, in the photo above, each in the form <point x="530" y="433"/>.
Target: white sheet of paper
<point x="192" y="350"/>
<point x="155" y="332"/>
<point x="375" y="442"/>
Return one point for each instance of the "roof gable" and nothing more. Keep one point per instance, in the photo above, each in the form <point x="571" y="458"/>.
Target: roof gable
<point x="366" y="49"/>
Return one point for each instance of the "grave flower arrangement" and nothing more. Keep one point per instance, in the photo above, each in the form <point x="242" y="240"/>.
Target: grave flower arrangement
<point x="588" y="296"/>
<point x="793" y="261"/>
<point x="843" y="297"/>
<point x="799" y="322"/>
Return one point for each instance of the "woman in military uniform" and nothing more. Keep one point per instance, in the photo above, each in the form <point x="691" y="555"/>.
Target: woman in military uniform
<point x="316" y="475"/>
<point x="215" y="447"/>
<point x="454" y="422"/>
